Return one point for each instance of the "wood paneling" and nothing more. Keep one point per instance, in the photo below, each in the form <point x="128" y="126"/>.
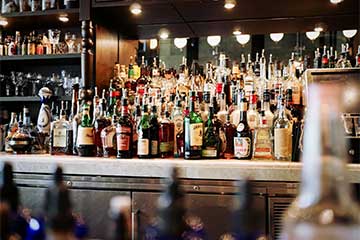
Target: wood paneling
<point x="127" y="48"/>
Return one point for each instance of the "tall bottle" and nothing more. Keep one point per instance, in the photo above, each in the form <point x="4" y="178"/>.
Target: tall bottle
<point x="124" y="132"/>
<point x="58" y="209"/>
<point x="243" y="143"/>
<point x="211" y="140"/>
<point x="324" y="208"/>
<point x="61" y="135"/>
<point x="108" y="138"/>
<point x="154" y="129"/>
<point x="193" y="127"/>
<point x="144" y="132"/>
<point x="325" y="59"/>
<point x="178" y="119"/>
<point x="282" y="136"/>
<point x="12" y="127"/>
<point x="85" y="134"/>
<point x="230" y="133"/>
<point x="44" y="118"/>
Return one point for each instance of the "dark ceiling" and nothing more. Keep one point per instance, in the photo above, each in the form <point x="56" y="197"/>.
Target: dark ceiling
<point x="205" y="17"/>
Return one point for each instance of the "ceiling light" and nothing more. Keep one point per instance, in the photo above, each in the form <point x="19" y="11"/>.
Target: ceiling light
<point x="213" y="40"/>
<point x="336" y="1"/>
<point x="3" y="22"/>
<point x="243" y="38"/>
<point x="312" y="35"/>
<point x="153" y="43"/>
<point x="135" y="8"/>
<point x="276" y="37"/>
<point x="236" y="32"/>
<point x="349" y="33"/>
<point x="229" y="4"/>
<point x="64" y="18"/>
<point x="180" y="42"/>
<point x="319" y="27"/>
<point x="163" y="33"/>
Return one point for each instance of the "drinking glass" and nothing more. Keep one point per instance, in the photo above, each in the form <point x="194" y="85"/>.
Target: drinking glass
<point x="54" y="37"/>
<point x="70" y="41"/>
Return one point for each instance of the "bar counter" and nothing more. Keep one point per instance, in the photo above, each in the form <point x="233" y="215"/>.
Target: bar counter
<point x="159" y="168"/>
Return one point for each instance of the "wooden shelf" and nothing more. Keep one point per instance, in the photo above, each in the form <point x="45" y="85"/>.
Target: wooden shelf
<point x="40" y="57"/>
<point x="30" y="98"/>
<point x="41" y="13"/>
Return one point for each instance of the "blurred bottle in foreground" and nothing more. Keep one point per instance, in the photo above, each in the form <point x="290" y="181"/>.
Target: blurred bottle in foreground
<point x="324" y="208"/>
<point x="120" y="212"/>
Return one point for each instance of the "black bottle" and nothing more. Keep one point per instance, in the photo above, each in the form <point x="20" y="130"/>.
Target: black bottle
<point x="154" y="136"/>
<point x="243" y="142"/>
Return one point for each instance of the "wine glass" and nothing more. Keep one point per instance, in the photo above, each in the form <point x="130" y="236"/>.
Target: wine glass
<point x="54" y="37"/>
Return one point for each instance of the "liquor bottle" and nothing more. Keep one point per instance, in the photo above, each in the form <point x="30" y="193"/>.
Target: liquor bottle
<point x="21" y="141"/>
<point x="154" y="129"/>
<point x="113" y="95"/>
<point x="44" y="118"/>
<point x="193" y="128"/>
<point x="144" y="134"/>
<point x="235" y="115"/>
<point x="108" y="138"/>
<point x="253" y="114"/>
<point x="58" y="209"/>
<point x="246" y="219"/>
<point x="76" y="121"/>
<point x="317" y="59"/>
<point x="142" y="80"/>
<point x="243" y="143"/>
<point x="96" y="104"/>
<point x="61" y="135"/>
<point x="230" y="133"/>
<point x="13" y="224"/>
<point x="211" y="141"/>
<point x="257" y="65"/>
<point x="325" y="59"/>
<point x="266" y="108"/>
<point x="120" y="214"/>
<point x="18" y="43"/>
<point x="324" y="208"/>
<point x="136" y="117"/>
<point x="262" y="140"/>
<point x="124" y="132"/>
<point x="166" y="136"/>
<point x="357" y="62"/>
<point x="178" y="119"/>
<point x="282" y="136"/>
<point x="100" y="123"/>
<point x="85" y="134"/>
<point x="1" y="46"/>
<point x="222" y="111"/>
<point x="12" y="128"/>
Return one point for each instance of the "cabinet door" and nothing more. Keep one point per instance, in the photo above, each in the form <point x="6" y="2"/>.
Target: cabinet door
<point x="213" y="209"/>
<point x="277" y="208"/>
<point x="91" y="204"/>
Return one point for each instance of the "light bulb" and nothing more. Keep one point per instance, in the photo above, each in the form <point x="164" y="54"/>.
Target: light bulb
<point x="312" y="35"/>
<point x="135" y="8"/>
<point x="63" y="18"/>
<point x="164" y="33"/>
<point x="336" y="1"/>
<point x="180" y="42"/>
<point x="236" y="32"/>
<point x="276" y="37"/>
<point x="153" y="43"/>
<point x="213" y="40"/>
<point x="349" y="33"/>
<point x="243" y="38"/>
<point x="229" y="4"/>
<point x="3" y="22"/>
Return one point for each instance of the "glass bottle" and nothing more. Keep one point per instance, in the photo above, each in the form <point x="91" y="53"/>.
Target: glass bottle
<point x="166" y="136"/>
<point x="230" y="133"/>
<point x="96" y="104"/>
<point x="252" y="113"/>
<point x="12" y="128"/>
<point x="211" y="140"/>
<point x="100" y="123"/>
<point x="357" y="62"/>
<point x="144" y="134"/>
<point x="85" y="134"/>
<point x="154" y="129"/>
<point x="76" y="121"/>
<point x="108" y="138"/>
<point x="222" y="112"/>
<point x="61" y="135"/>
<point x="282" y="136"/>
<point x="178" y="119"/>
<point x="266" y="108"/>
<point x="124" y="132"/>
<point x="243" y="143"/>
<point x="136" y="121"/>
<point x="324" y="208"/>
<point x="332" y="61"/>
<point x="21" y="141"/>
<point x="324" y="59"/>
<point x="193" y="128"/>
<point x="262" y="140"/>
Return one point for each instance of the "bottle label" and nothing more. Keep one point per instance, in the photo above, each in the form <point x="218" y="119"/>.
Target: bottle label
<point x="123" y="138"/>
<point x="282" y="142"/>
<point x="296" y="95"/>
<point x="242" y="146"/>
<point x="143" y="146"/>
<point x="209" y="153"/>
<point x="59" y="138"/>
<point x="196" y="134"/>
<point x="165" y="146"/>
<point x="108" y="139"/>
<point x="154" y="147"/>
<point x="178" y="122"/>
<point x="85" y="136"/>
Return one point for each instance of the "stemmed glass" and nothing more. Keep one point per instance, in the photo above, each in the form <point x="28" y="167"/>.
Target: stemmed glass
<point x="70" y="41"/>
<point x="54" y="37"/>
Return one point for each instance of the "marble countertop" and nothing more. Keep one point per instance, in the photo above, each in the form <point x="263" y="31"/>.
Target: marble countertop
<point x="190" y="169"/>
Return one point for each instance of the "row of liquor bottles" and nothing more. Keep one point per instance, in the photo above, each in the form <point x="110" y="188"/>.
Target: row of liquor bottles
<point x="10" y="6"/>
<point x="173" y="221"/>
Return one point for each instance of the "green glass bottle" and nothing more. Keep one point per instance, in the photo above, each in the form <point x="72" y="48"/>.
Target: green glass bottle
<point x="86" y="139"/>
<point x="143" y="148"/>
<point x="211" y="141"/>
<point x="193" y="131"/>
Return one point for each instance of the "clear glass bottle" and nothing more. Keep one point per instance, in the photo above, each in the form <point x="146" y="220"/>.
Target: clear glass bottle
<point x="324" y="208"/>
<point x="108" y="138"/>
<point x="282" y="136"/>
<point x="262" y="140"/>
<point x="223" y="111"/>
<point x="21" y="141"/>
<point x="61" y="135"/>
<point x="12" y="128"/>
<point x="100" y="123"/>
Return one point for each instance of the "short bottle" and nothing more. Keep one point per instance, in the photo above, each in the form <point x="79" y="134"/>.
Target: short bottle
<point x="108" y="138"/>
<point x="124" y="132"/>
<point x="12" y="128"/>
<point x="21" y="141"/>
<point x="243" y="142"/>
<point x="143" y="148"/>
<point x="85" y="134"/>
<point x="262" y="140"/>
<point x="100" y="123"/>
